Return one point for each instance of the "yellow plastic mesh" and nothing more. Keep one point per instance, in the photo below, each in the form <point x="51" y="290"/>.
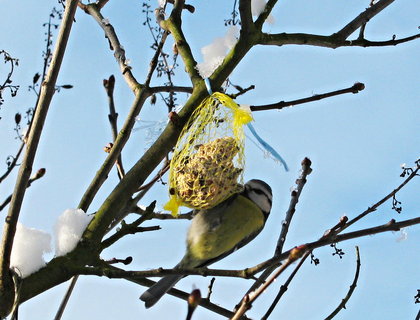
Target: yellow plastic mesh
<point x="208" y="161"/>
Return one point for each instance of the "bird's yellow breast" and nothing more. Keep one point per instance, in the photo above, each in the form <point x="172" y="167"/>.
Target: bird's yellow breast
<point x="215" y="232"/>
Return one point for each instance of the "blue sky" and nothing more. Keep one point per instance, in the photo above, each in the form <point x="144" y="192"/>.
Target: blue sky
<point x="356" y="144"/>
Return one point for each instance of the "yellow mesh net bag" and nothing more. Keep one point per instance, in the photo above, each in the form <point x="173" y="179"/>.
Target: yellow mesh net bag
<point x="208" y="160"/>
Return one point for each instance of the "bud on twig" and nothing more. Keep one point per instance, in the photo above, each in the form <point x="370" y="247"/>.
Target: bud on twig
<point x="194" y="300"/>
<point x="173" y="117"/>
<point x="36" y="78"/>
<point x="125" y="261"/>
<point x="108" y="147"/>
<point x="40" y="173"/>
<point x="297" y="252"/>
<point x="358" y="86"/>
<point x="153" y="99"/>
<point x="18" y="118"/>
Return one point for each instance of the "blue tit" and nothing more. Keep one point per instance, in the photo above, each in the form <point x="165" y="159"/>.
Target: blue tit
<point x="217" y="232"/>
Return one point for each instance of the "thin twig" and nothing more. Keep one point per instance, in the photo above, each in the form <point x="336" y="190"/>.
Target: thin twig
<point x="47" y="56"/>
<point x="249" y="298"/>
<point x="101" y="3"/>
<point x="119" y="52"/>
<point x="185" y="6"/>
<point x="362" y="18"/>
<point x="295" y="195"/>
<point x="109" y="85"/>
<point x="367" y="43"/>
<point x="173" y="25"/>
<point x="132" y="206"/>
<point x="158" y="89"/>
<point x="210" y="288"/>
<point x="204" y="303"/>
<point x="193" y="301"/>
<point x="362" y="32"/>
<point x="125" y="230"/>
<point x="356" y="88"/>
<point x="168" y="70"/>
<point x="245" y="15"/>
<point x="131" y="228"/>
<point x="259" y="22"/>
<point x="155" y="179"/>
<point x="13" y="164"/>
<point x="123" y="136"/>
<point x="154" y="61"/>
<point x="8" y="79"/>
<point x="39" y="174"/>
<point x="241" y="91"/>
<point x="384" y="199"/>
<point x="342" y="305"/>
<point x="164" y="216"/>
<point x="281" y="39"/>
<point x="285" y="286"/>
<point x="66" y="298"/>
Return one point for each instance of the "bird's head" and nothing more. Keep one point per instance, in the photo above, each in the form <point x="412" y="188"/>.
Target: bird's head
<point x="260" y="193"/>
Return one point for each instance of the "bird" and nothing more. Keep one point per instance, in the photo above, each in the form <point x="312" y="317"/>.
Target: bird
<point x="217" y="232"/>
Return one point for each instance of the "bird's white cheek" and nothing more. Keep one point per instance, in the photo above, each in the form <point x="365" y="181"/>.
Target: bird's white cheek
<point x="197" y="228"/>
<point x="266" y="207"/>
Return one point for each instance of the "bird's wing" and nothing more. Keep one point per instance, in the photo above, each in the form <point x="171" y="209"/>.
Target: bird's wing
<point x="217" y="232"/>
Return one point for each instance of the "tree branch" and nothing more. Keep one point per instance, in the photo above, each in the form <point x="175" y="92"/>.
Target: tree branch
<point x="241" y="91"/>
<point x="362" y="19"/>
<point x="47" y="91"/>
<point x="153" y="63"/>
<point x="295" y="195"/>
<point x="173" y="25"/>
<point x="390" y="226"/>
<point x="295" y="254"/>
<point x="205" y="303"/>
<point x="332" y="42"/>
<point x="366" y="43"/>
<point x="115" y="45"/>
<point x="131" y="228"/>
<point x="373" y="208"/>
<point x="122" y="138"/>
<point x="246" y="16"/>
<point x="163" y="216"/>
<point x="101" y="3"/>
<point x="109" y="85"/>
<point x="170" y="89"/>
<point x="13" y="164"/>
<point x="285" y="286"/>
<point x="132" y="205"/>
<point x="356" y="88"/>
<point x="38" y="175"/>
<point x="342" y="305"/>
<point x="264" y="15"/>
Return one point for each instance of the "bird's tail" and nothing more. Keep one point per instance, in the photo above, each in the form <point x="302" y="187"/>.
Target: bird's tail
<point x="155" y="292"/>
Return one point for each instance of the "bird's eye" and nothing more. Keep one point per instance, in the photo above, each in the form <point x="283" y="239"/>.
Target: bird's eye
<point x="258" y="191"/>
